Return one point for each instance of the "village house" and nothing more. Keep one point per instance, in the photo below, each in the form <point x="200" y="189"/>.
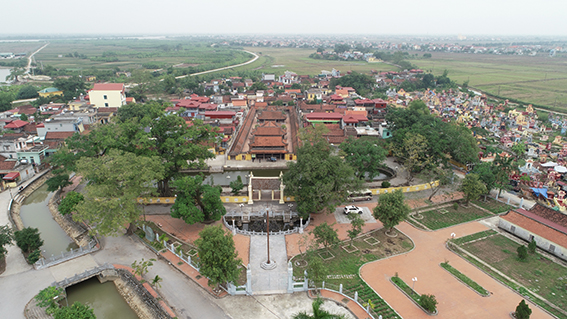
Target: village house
<point x="107" y="95"/>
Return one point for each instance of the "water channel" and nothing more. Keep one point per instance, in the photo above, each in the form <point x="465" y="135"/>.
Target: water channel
<point x="35" y="213"/>
<point x="103" y="298"/>
<point x="224" y="179"/>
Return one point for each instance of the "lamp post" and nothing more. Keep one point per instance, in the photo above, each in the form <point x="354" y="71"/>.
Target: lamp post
<point x="414" y="279"/>
<point x="10" y="190"/>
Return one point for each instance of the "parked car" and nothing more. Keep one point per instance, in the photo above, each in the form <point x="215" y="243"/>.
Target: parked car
<point x="352" y="209"/>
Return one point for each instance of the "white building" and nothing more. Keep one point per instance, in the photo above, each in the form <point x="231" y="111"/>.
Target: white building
<point x="108" y="95"/>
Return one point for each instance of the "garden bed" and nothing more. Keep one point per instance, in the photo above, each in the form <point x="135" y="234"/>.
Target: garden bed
<point x="465" y="280"/>
<point x="449" y="215"/>
<point x="537" y="274"/>
<point x="410" y="293"/>
<point x="493" y="205"/>
<point x="345" y="265"/>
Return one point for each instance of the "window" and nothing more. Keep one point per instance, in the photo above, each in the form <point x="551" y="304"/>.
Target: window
<point x="105" y="97"/>
<point x="530" y="238"/>
<point x="106" y="104"/>
<point x="513" y="229"/>
<point x="551" y="248"/>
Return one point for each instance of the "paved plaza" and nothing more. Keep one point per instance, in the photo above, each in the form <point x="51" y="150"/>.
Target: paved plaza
<point x="272" y="281"/>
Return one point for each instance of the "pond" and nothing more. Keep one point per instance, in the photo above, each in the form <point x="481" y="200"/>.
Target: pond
<point x="105" y="300"/>
<point x="36" y="214"/>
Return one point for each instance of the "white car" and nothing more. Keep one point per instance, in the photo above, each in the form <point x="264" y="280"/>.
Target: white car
<point x="352" y="209"/>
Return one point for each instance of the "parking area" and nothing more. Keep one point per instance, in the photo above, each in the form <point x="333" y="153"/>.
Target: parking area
<point x="343" y="219"/>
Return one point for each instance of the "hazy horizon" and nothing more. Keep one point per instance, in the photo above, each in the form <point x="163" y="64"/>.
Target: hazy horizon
<point x="500" y="18"/>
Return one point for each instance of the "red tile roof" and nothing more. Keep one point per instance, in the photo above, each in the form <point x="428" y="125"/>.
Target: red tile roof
<point x="108" y="87"/>
<point x="268" y="131"/>
<point x="58" y="135"/>
<point x="16" y="124"/>
<point x="7" y="165"/>
<point x="271" y="115"/>
<point x="323" y="116"/>
<point x="267" y="141"/>
<point x="549" y="214"/>
<point x="526" y="220"/>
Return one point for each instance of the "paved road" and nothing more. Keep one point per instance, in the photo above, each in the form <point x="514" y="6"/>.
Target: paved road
<point x="31" y="56"/>
<point x="455" y="299"/>
<point x="224" y="68"/>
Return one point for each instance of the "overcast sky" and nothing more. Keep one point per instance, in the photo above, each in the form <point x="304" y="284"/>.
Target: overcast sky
<point x="382" y="17"/>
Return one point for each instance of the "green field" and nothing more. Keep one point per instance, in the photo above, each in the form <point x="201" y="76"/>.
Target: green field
<point x="132" y="54"/>
<point x="298" y="61"/>
<point x="539" y="80"/>
<point x="20" y="47"/>
<point x="538" y="274"/>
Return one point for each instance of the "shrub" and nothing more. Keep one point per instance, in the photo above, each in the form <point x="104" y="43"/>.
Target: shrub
<point x="34" y="256"/>
<point x="428" y="302"/>
<point x="455" y="206"/>
<point x="523" y="311"/>
<point x="532" y="246"/>
<point x="522" y="253"/>
<point x="236" y="185"/>
<point x="28" y="239"/>
<point x="385" y="184"/>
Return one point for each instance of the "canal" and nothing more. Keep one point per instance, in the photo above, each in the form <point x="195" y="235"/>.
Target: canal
<point x="105" y="300"/>
<point x="35" y="213"/>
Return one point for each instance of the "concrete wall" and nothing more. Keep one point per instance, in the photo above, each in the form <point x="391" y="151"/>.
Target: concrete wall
<point x="541" y="242"/>
<point x="113" y="98"/>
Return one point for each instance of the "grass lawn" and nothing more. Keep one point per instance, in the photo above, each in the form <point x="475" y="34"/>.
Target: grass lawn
<point x="538" y="274"/>
<point x="278" y="60"/>
<point x="445" y="216"/>
<point x="493" y="205"/>
<point x="343" y="268"/>
<point x="538" y="79"/>
<point x="466" y="280"/>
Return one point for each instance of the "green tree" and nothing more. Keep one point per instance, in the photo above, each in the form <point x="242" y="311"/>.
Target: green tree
<point x="356" y="224"/>
<point x="28" y="239"/>
<point x="325" y="235"/>
<point x="15" y="74"/>
<point x="76" y="311"/>
<point x="116" y="180"/>
<point x="296" y="86"/>
<point x="472" y="187"/>
<point x="364" y="155"/>
<point x="197" y="202"/>
<point x="47" y="297"/>
<point x="342" y="47"/>
<point x="141" y="267"/>
<point x="236" y="185"/>
<point x="137" y="112"/>
<point x="502" y="168"/>
<point x="532" y="246"/>
<point x="428" y="302"/>
<point x="318" y="313"/>
<point x="27" y="92"/>
<point x="316" y="269"/>
<point x="179" y="146"/>
<point x="362" y="83"/>
<point x="437" y="177"/>
<point x="23" y="117"/>
<point x="258" y="86"/>
<point x="318" y="180"/>
<point x="217" y="254"/>
<point x="523" y="311"/>
<point x="70" y="202"/>
<point x="57" y="182"/>
<point x="414" y="155"/>
<point x="72" y="87"/>
<point x="519" y="149"/>
<point x="391" y="209"/>
<point x="6" y="238"/>
<point x="486" y="174"/>
<point x="522" y="253"/>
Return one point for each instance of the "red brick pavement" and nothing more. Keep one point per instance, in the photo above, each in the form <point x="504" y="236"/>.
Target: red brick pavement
<point x="455" y="299"/>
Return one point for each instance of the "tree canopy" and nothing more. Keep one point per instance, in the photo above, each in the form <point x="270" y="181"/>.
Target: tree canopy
<point x="443" y="141"/>
<point x="217" y="255"/>
<point x="362" y="83"/>
<point x="6" y="238"/>
<point x="70" y="202"/>
<point x="364" y="155"/>
<point x="318" y="180"/>
<point x="472" y="187"/>
<point x="391" y="209"/>
<point x="115" y="180"/>
<point x="197" y="202"/>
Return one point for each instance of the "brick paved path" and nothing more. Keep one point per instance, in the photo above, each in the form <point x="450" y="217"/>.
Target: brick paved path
<point x="455" y="299"/>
